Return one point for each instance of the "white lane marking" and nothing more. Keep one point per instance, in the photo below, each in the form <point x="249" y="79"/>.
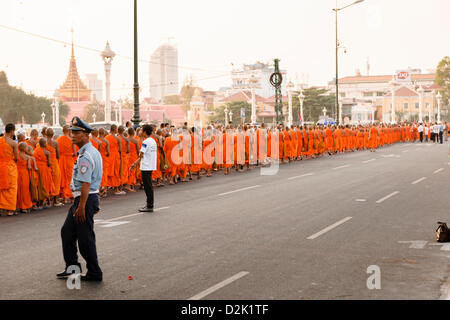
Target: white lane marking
<point x="418" y="180"/>
<point x="220" y="285"/>
<point x="388" y="196"/>
<point x="416" y="244"/>
<point x="134" y="214"/>
<point x="334" y="225"/>
<point x="438" y="170"/>
<point x="388" y="156"/>
<point x="112" y="224"/>
<point x="360" y="200"/>
<point x="242" y="189"/>
<point x="445" y="246"/>
<point x="303" y="175"/>
<point x="340" y="167"/>
<point x="405" y="150"/>
<point x="367" y="161"/>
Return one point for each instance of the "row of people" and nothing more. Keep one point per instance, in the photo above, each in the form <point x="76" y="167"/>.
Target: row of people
<point x="38" y="170"/>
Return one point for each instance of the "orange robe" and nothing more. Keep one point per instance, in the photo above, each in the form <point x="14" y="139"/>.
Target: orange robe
<point x="114" y="168"/>
<point x="132" y="157"/>
<point x="328" y="139"/>
<point x="56" y="173"/>
<point x="23" y="188"/>
<point x="66" y="162"/>
<point x="124" y="168"/>
<point x="44" y="170"/>
<point x="169" y="145"/>
<point x="157" y="174"/>
<point x="106" y="165"/>
<point x="8" y="177"/>
<point x="299" y="143"/>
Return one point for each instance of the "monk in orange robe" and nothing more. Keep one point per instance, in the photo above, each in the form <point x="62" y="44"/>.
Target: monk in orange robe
<point x="132" y="157"/>
<point x="299" y="134"/>
<point x="373" y="138"/>
<point x="53" y="148"/>
<point x="24" y="203"/>
<point x="287" y="145"/>
<point x="157" y="174"/>
<point x="106" y="159"/>
<point x="208" y="152"/>
<point x="67" y="158"/>
<point x="124" y="166"/>
<point x="170" y="153"/>
<point x="8" y="170"/>
<point x="115" y="148"/>
<point x="196" y="154"/>
<point x="42" y="156"/>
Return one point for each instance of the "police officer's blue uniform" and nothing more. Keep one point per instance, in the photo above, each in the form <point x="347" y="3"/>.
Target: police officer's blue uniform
<point x="88" y="168"/>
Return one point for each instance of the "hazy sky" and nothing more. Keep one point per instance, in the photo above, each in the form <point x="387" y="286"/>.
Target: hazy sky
<point x="212" y="34"/>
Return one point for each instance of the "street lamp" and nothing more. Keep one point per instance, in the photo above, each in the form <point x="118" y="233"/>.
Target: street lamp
<point x="226" y="116"/>
<point x="439" y="99"/>
<point x="56" y="96"/>
<point x="420" y="91"/>
<point x="107" y="56"/>
<point x="43" y="118"/>
<point x="337" y="48"/>
<point x="392" y="83"/>
<point x="136" y="118"/>
<point x="120" y="102"/>
<point x="231" y="116"/>
<point x="289" y="89"/>
<point x="94" y="116"/>
<point x="301" y="98"/>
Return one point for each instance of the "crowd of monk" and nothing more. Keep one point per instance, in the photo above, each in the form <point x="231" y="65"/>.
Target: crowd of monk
<point x="36" y="172"/>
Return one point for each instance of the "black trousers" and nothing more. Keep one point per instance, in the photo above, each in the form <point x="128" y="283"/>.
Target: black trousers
<point x="147" y="180"/>
<point x="421" y="136"/>
<point x="71" y="232"/>
<point x="441" y="136"/>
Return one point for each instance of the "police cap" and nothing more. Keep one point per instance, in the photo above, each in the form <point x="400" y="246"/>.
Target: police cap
<point x="79" y="125"/>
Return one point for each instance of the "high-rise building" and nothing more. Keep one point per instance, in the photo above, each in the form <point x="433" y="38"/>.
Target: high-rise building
<point x="95" y="85"/>
<point x="163" y="72"/>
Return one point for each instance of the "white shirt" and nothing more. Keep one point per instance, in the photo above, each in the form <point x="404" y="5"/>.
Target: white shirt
<point x="420" y="129"/>
<point x="436" y="128"/>
<point x="426" y="130"/>
<point x="149" y="149"/>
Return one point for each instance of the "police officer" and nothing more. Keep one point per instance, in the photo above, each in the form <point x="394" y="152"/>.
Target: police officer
<point x="79" y="224"/>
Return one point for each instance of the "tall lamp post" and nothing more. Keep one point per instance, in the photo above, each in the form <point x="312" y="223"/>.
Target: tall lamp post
<point x="136" y="117"/>
<point x="226" y="116"/>
<point x="107" y="56"/>
<point x="393" y="84"/>
<point x="336" y="10"/>
<point x="439" y="99"/>
<point x="420" y="91"/>
<point x="301" y="98"/>
<point x="290" y="89"/>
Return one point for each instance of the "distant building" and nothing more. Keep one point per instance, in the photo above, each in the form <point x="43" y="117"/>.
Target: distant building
<point x="163" y="72"/>
<point x="95" y="85"/>
<point x="73" y="89"/>
<point x="357" y="93"/>
<point x="258" y="73"/>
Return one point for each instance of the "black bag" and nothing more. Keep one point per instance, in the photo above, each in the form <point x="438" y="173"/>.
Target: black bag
<point x="442" y="232"/>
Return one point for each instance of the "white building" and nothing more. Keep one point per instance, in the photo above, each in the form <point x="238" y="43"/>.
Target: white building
<point x="359" y="91"/>
<point x="260" y="74"/>
<point x="163" y="72"/>
<point x="95" y="85"/>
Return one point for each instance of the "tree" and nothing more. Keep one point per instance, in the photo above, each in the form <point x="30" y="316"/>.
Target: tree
<point x="99" y="110"/>
<point x="443" y="79"/>
<point x="16" y="103"/>
<point x="315" y="101"/>
<point x="219" y="114"/>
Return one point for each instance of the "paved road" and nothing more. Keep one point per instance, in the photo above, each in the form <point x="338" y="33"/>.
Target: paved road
<point x="308" y="232"/>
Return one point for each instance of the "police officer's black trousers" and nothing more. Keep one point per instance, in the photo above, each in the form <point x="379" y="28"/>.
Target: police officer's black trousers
<point x="72" y="231"/>
<point x="147" y="180"/>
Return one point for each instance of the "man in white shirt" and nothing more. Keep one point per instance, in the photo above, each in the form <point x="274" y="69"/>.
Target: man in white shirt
<point x="436" y="129"/>
<point x="420" y="130"/>
<point x="147" y="159"/>
<point x="425" y="132"/>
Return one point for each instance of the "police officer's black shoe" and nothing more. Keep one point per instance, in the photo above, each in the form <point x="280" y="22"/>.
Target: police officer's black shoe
<point x="88" y="277"/>
<point x="146" y="209"/>
<point x="64" y="274"/>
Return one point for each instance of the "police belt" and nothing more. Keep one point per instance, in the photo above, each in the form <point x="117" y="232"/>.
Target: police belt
<point x="76" y="194"/>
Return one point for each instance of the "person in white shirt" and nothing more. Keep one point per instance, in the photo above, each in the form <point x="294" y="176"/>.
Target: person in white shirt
<point x="420" y="130"/>
<point x="147" y="159"/>
<point x="426" y="133"/>
<point x="436" y="129"/>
